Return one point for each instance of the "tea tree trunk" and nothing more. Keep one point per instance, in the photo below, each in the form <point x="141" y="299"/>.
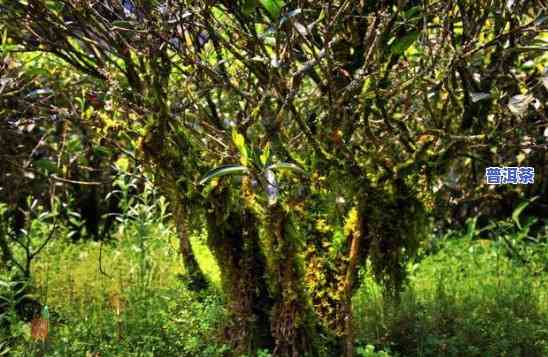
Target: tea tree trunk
<point x="293" y="323"/>
<point x="234" y="241"/>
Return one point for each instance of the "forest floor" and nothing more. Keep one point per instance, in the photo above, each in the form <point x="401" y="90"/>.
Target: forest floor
<point x="128" y="298"/>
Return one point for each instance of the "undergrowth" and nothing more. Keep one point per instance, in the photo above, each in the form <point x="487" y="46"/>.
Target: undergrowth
<point x="123" y="298"/>
<point x="468" y="299"/>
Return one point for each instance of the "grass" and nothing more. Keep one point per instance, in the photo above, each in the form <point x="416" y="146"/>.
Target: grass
<point x="85" y="272"/>
<point x="466" y="299"/>
<point x="125" y="298"/>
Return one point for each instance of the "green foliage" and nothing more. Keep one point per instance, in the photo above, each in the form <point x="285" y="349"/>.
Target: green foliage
<point x="224" y="171"/>
<point x="468" y="298"/>
<point x="124" y="298"/>
<point x="394" y="242"/>
<point x="273" y="7"/>
<point x="400" y="45"/>
<point x="19" y="250"/>
<point x="8" y="300"/>
<point x="369" y="351"/>
<point x="239" y="141"/>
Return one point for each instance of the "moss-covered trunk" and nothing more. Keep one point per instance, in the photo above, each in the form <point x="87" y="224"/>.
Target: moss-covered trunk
<point x="293" y="324"/>
<point x="233" y="238"/>
<point x="356" y="255"/>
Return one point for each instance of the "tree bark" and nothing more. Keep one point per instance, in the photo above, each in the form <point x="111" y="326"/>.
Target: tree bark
<point x="293" y="325"/>
<point x="351" y="273"/>
<point x="234" y="241"/>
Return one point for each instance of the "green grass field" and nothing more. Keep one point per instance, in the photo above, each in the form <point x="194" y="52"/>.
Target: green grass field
<point x="128" y="298"/>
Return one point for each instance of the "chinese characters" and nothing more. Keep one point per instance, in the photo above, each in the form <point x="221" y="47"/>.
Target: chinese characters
<point x="509" y="175"/>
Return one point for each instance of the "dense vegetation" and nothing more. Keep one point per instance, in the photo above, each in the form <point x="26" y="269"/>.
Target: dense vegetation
<point x="272" y="177"/>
